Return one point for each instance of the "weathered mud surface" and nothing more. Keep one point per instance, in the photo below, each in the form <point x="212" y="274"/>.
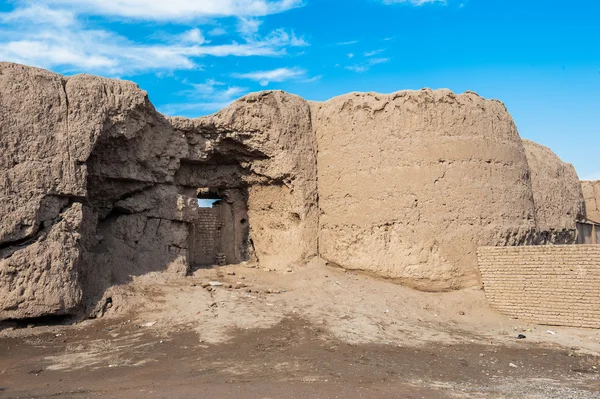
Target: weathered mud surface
<point x="98" y="188"/>
<point x="293" y="359"/>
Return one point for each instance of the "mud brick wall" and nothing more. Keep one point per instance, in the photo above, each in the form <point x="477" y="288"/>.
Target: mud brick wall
<point x="206" y="236"/>
<point x="552" y="285"/>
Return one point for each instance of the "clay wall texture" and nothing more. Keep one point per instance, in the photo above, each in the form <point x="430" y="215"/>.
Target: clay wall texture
<point x="97" y="187"/>
<point x="411" y="183"/>
<point x="591" y="194"/>
<point x="552" y="285"/>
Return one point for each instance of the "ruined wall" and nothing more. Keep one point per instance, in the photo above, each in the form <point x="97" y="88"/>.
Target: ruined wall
<point x="553" y="285"/>
<point x="270" y="133"/>
<point x="411" y="183"/>
<point x="87" y="165"/>
<point x="557" y="194"/>
<point x="591" y="194"/>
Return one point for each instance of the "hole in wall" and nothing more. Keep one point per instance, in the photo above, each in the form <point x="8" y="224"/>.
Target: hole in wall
<point x="207" y="198"/>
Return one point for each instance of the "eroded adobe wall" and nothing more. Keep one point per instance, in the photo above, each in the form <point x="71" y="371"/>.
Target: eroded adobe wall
<point x="557" y="194"/>
<point x="553" y="285"/>
<point x="271" y="136"/>
<point x="591" y="194"/>
<point x="89" y="166"/>
<point x="411" y="183"/>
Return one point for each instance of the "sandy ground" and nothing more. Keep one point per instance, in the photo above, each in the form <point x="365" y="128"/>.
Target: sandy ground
<point x="311" y="332"/>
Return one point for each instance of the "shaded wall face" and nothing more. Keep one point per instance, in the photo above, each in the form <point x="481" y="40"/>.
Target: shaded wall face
<point x="411" y="183"/>
<point x="220" y="231"/>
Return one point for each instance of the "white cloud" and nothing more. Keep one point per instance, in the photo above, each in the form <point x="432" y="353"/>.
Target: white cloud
<point x="205" y="97"/>
<point x="176" y="10"/>
<point x="350" y="55"/>
<point x="57" y="39"/>
<point x="248" y="26"/>
<point x="367" y="65"/>
<point x="374" y="52"/>
<point x="40" y="14"/>
<point x="347" y="43"/>
<point x="193" y="36"/>
<point x="275" y="75"/>
<point x="413" y="2"/>
<point x="217" y="31"/>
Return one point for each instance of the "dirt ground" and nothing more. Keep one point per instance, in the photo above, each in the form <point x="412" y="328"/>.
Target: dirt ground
<point x="311" y="332"/>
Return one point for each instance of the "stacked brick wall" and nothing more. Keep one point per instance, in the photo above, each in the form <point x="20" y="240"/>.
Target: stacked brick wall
<point x="552" y="285"/>
<point x="206" y="236"/>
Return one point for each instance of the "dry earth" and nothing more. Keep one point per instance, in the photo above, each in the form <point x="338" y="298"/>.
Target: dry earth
<point x="313" y="332"/>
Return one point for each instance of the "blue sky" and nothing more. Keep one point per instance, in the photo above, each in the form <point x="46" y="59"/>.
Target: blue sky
<point x="542" y="58"/>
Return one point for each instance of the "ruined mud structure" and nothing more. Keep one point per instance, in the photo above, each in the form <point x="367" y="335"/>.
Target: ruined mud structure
<point x="97" y="187"/>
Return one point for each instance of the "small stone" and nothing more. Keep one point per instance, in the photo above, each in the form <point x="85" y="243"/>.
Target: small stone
<point x="461" y="313"/>
<point x="521" y="336"/>
<point x="215" y="284"/>
<point x="289" y="270"/>
<point x="513" y="365"/>
<point x="232" y="273"/>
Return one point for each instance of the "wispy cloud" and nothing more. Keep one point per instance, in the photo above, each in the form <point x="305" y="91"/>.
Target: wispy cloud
<point x="275" y="75"/>
<point x="350" y="55"/>
<point x="177" y="10"/>
<point x="367" y="65"/>
<point x="204" y="97"/>
<point x="374" y="52"/>
<point x="56" y="38"/>
<point x="347" y="43"/>
<point x="218" y="31"/>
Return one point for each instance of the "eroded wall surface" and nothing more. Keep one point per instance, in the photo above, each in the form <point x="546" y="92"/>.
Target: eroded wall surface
<point x="553" y="285"/>
<point x="411" y="183"/>
<point x="405" y="186"/>
<point x="557" y="194"/>
<point x="591" y="194"/>
<point x="88" y="166"/>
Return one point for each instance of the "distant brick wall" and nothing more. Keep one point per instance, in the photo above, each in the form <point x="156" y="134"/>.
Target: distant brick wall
<point x="553" y="285"/>
<point x="206" y="237"/>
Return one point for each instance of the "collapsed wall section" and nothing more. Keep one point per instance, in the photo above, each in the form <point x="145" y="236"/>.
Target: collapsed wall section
<point x="411" y="183"/>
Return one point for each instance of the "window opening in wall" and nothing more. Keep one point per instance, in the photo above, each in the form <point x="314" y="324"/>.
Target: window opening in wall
<point x="207" y="203"/>
<point x="206" y="198"/>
